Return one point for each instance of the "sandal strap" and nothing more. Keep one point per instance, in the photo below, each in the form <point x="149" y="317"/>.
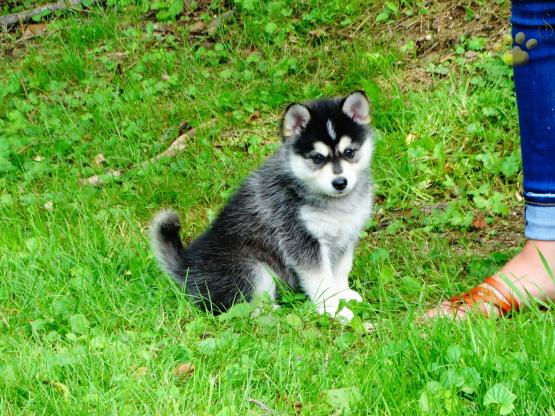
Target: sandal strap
<point x="487" y="296"/>
<point x="456" y="303"/>
<point x="502" y="288"/>
<point x="478" y="294"/>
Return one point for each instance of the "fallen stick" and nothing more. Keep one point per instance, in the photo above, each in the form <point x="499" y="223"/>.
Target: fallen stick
<point x="263" y="406"/>
<point x="99" y="179"/>
<point x="173" y="149"/>
<point x="27" y="15"/>
<point x="178" y="144"/>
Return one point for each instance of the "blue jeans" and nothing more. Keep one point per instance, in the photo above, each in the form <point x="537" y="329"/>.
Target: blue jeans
<point x="535" y="92"/>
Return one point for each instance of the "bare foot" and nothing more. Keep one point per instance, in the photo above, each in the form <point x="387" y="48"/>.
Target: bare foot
<point x="527" y="274"/>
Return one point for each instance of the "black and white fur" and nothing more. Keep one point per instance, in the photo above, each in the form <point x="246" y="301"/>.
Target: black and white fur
<point x="296" y="218"/>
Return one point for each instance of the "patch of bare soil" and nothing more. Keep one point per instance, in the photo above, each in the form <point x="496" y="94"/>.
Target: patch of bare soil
<point x="434" y="34"/>
<point x="482" y="238"/>
<point x="505" y="234"/>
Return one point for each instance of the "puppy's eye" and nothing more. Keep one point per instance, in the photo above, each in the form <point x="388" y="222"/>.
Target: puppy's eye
<point x="318" y="159"/>
<point x="349" y="153"/>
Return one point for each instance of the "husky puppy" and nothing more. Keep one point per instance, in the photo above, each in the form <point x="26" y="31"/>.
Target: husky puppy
<point x="296" y="218"/>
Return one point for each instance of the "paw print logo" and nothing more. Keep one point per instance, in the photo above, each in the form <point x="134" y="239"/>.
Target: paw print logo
<point x="518" y="56"/>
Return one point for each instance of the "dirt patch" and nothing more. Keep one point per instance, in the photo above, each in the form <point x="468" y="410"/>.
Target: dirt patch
<point x="503" y="234"/>
<point x="436" y="32"/>
<point x="431" y="37"/>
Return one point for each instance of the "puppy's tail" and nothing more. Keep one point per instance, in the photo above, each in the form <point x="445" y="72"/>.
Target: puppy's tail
<point x="167" y="245"/>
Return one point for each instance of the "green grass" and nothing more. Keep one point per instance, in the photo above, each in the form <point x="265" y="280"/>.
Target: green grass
<point x="88" y="323"/>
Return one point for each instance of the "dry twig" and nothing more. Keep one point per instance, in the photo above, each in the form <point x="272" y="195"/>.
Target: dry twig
<point x="262" y="406"/>
<point x="173" y="149"/>
<point x="27" y="15"/>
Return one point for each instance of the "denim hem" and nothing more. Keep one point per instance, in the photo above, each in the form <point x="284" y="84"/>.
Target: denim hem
<point x="539" y="204"/>
<point x="540" y="222"/>
<point x="540" y="199"/>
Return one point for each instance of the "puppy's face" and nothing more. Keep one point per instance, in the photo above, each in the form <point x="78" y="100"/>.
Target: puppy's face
<point x="331" y="142"/>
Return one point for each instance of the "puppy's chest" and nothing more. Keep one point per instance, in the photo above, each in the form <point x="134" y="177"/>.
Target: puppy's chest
<point x="339" y="224"/>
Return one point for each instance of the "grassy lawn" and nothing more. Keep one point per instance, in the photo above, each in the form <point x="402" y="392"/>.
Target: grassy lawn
<point x="89" y="324"/>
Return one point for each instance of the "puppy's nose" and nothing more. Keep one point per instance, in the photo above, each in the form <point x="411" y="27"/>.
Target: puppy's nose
<point x="339" y="183"/>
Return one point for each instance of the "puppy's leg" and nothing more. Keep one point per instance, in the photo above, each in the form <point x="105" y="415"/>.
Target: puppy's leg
<point x="318" y="282"/>
<point x="341" y="270"/>
<point x="264" y="282"/>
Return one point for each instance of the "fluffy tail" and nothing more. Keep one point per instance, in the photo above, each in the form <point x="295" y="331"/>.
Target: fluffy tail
<point x="167" y="245"/>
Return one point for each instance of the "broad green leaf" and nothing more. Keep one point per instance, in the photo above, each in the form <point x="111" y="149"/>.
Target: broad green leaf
<point x="312" y="334"/>
<point x="6" y="200"/>
<point x="497" y="204"/>
<point x="226" y="74"/>
<point x="38" y="324"/>
<point x="163" y="15"/>
<point x="8" y="377"/>
<point x="424" y="402"/>
<point x="345" y="340"/>
<point x="434" y="387"/>
<point x="454" y="353"/>
<point x="65" y="358"/>
<point x="481" y="202"/>
<point x="502" y="396"/>
<point x="510" y="165"/>
<point x="452" y="379"/>
<point x="175" y="8"/>
<point x="177" y="353"/>
<point x="474" y="129"/>
<point x="343" y="399"/>
<point x="63" y="307"/>
<point x="207" y="346"/>
<point x="267" y="321"/>
<point x="99" y="342"/>
<point x="472" y="380"/>
<point x="477" y="44"/>
<point x="383" y="16"/>
<point x="294" y="321"/>
<point x="490" y="112"/>
<point x="79" y="323"/>
<point x="197" y="326"/>
<point x="357" y="325"/>
<point x="270" y="28"/>
<point x="429" y="395"/>
<point x="239" y="310"/>
<point x="392" y="6"/>
<point x="5" y="165"/>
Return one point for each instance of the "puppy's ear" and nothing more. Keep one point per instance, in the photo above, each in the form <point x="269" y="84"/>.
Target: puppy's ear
<point x="356" y="106"/>
<point x="294" y="120"/>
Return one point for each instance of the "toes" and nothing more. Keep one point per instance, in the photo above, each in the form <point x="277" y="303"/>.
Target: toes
<point x="460" y="311"/>
<point x="447" y="310"/>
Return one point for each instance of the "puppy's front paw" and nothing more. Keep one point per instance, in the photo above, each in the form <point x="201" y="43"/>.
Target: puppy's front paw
<point x="328" y="307"/>
<point x="350" y="294"/>
<point x="344" y="315"/>
<point x="331" y="308"/>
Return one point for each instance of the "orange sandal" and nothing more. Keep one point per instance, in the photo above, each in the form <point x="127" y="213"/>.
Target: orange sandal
<point x="504" y="303"/>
